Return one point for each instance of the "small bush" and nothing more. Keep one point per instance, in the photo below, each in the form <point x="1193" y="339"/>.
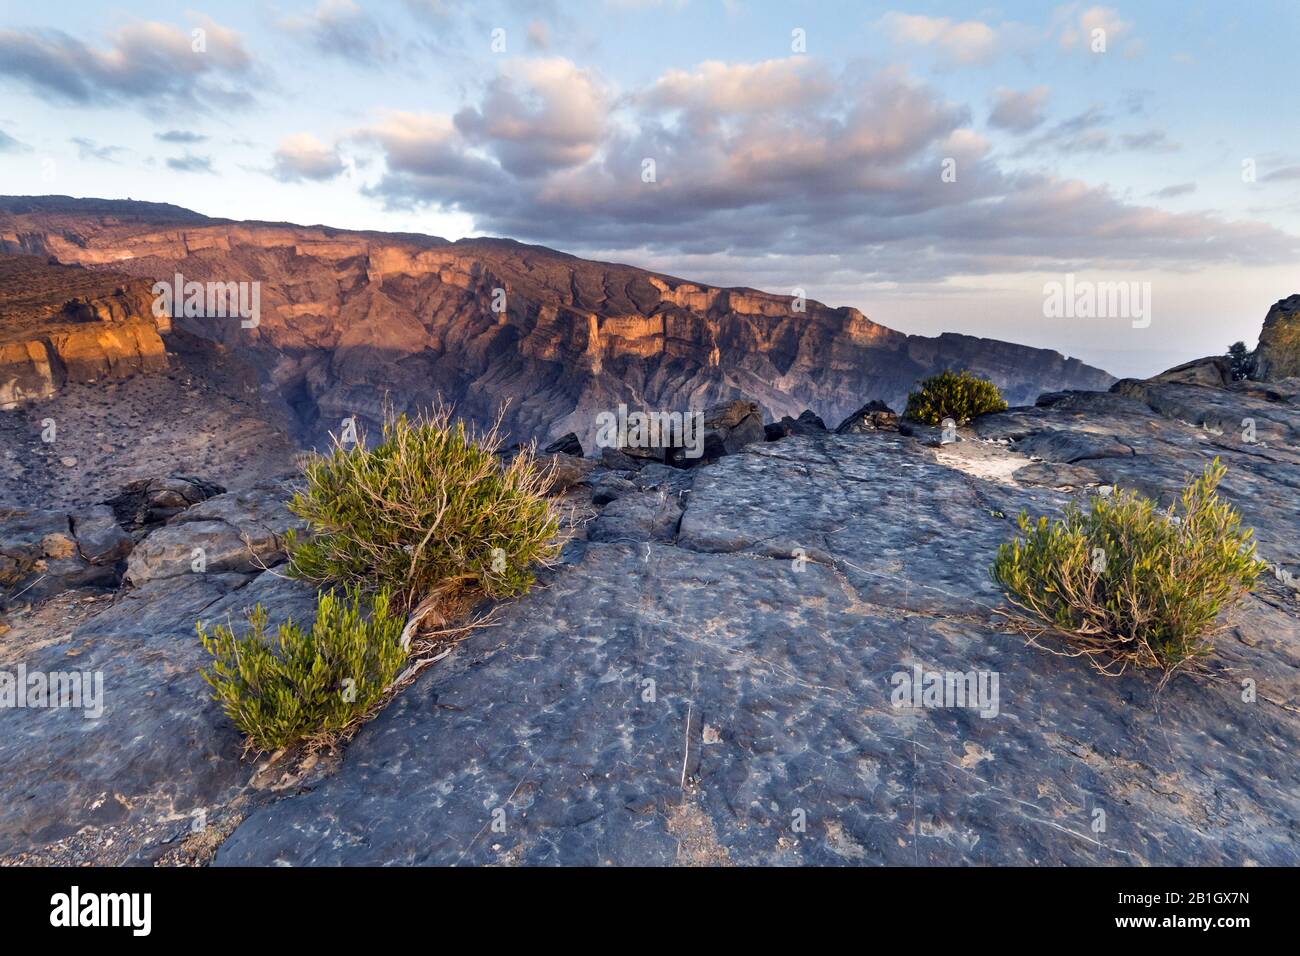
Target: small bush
<point x="1242" y="361"/>
<point x="302" y="684"/>
<point x="956" y="395"/>
<point x="1127" y="583"/>
<point x="431" y="509"/>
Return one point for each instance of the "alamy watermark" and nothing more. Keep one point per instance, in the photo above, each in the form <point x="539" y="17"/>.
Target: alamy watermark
<point x="919" y="688"/>
<point x="75" y="690"/>
<point x="1084" y="299"/>
<point x="209" y="300"/>
<point x="624" y="429"/>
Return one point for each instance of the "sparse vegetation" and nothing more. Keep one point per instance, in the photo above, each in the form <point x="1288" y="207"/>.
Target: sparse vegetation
<point x="301" y="684"/>
<point x="1243" y="361"/>
<point x="430" y="509"/>
<point x="1127" y="583"/>
<point x="956" y="395"/>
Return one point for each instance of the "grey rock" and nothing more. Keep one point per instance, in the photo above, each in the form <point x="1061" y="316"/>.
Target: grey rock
<point x="1214" y="371"/>
<point x="161" y="748"/>
<point x="152" y="501"/>
<point x="100" y="539"/>
<point x="806" y="424"/>
<point x="617" y="460"/>
<point x="873" y="416"/>
<point x="565" y="445"/>
<point x="638" y="516"/>
<point x="610" y="487"/>
<point x="239" y="531"/>
<point x="806" y="575"/>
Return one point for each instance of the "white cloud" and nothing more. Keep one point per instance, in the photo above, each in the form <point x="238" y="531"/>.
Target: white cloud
<point x="962" y="43"/>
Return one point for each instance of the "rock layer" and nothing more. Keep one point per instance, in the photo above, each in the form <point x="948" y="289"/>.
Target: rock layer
<point x="60" y="324"/>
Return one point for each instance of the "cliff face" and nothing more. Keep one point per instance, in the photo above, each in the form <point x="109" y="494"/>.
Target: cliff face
<point x="1278" y="355"/>
<point x="350" y="318"/>
<point x="60" y="324"/>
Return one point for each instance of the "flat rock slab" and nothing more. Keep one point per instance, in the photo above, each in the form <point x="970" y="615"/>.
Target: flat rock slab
<point x="729" y="695"/>
<point x="161" y="748"/>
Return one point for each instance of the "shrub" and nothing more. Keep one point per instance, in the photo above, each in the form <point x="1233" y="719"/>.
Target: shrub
<point x="429" y="510"/>
<point x="301" y="684"/>
<point x="956" y="395"/>
<point x="1130" y="584"/>
<point x="1242" y="361"/>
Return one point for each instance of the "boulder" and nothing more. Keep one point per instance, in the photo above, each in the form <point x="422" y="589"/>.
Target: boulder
<point x="100" y="539"/>
<point x="871" y="417"/>
<point x="566" y="471"/>
<point x="728" y="427"/>
<point x="238" y="531"/>
<point x="1214" y="371"/>
<point x="565" y="445"/>
<point x="806" y="424"/>
<point x="151" y="501"/>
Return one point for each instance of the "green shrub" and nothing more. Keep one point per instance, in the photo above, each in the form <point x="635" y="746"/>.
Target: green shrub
<point x="1130" y="584"/>
<point x="956" y="395"/>
<point x="1242" y="361"/>
<point x="429" y="510"/>
<point x="301" y="684"/>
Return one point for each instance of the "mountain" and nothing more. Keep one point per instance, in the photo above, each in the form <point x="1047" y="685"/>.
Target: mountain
<point x="351" y="319"/>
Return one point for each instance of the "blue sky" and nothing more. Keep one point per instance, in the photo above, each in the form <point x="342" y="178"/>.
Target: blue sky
<point x="776" y="166"/>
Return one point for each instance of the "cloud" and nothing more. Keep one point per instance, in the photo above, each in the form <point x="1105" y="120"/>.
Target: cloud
<point x="1174" y="191"/>
<point x="961" y="43"/>
<point x="844" y="174"/>
<point x="303" y="157"/>
<point x="1016" y="111"/>
<point x="10" y="145"/>
<point x="1149" y="141"/>
<point x="1081" y="29"/>
<point x="538" y="116"/>
<point x="89" y="149"/>
<point x="145" y="64"/>
<point x="179" y="136"/>
<point x="189" y="163"/>
<point x="1284" y="174"/>
<point x="342" y="29"/>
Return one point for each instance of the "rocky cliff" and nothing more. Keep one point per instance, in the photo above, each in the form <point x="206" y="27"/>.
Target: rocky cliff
<point x="1278" y="354"/>
<point x="348" y="318"/>
<point x="61" y="324"/>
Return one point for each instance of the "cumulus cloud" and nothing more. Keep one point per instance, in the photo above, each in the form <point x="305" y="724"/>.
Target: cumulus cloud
<point x="538" y="116"/>
<point x="1018" y="111"/>
<point x="846" y="173"/>
<point x="303" y="157"/>
<point x="144" y="63"/>
<point x="961" y="43"/>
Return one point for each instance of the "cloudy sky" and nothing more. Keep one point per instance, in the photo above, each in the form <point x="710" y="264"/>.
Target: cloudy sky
<point x="933" y="164"/>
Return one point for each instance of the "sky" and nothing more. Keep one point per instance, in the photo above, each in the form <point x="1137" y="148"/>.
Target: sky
<point x="939" y="166"/>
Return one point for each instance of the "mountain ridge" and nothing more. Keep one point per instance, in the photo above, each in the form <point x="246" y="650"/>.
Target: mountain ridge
<point x="351" y="318"/>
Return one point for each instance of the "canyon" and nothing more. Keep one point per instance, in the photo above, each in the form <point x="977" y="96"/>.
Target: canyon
<point x="351" y="321"/>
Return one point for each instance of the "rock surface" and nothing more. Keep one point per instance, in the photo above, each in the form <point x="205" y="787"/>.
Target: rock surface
<point x="161" y="751"/>
<point x="738" y="676"/>
<point x="1278" y="354"/>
